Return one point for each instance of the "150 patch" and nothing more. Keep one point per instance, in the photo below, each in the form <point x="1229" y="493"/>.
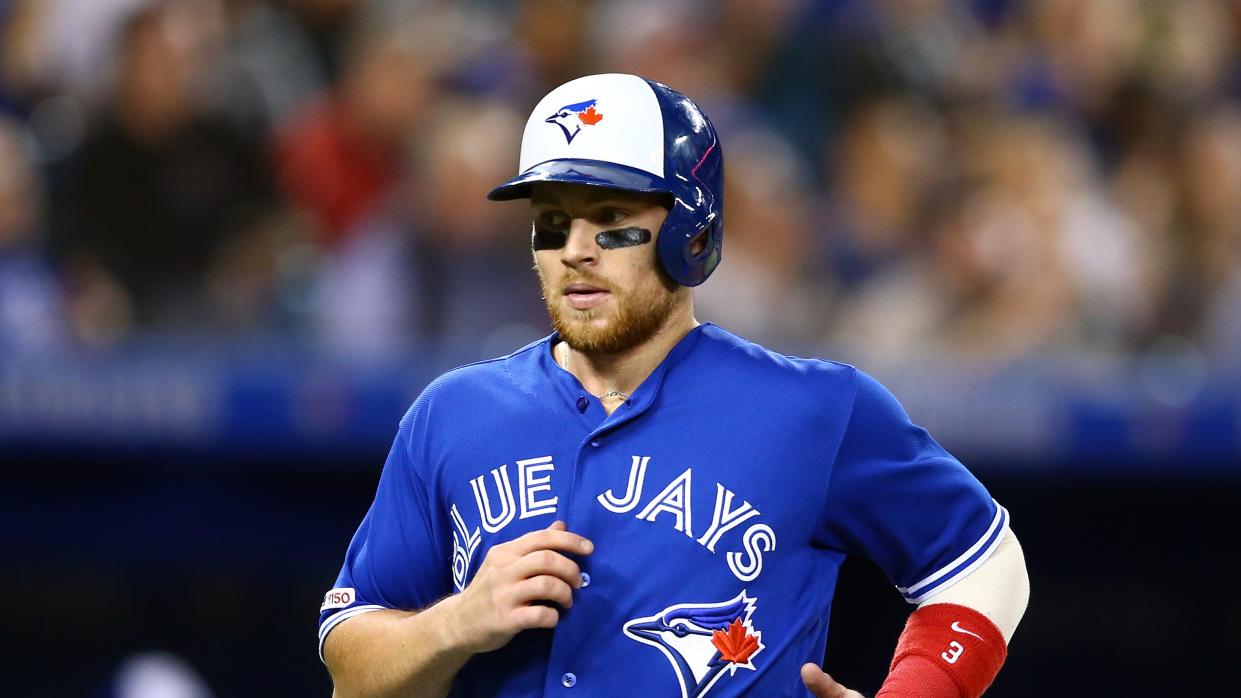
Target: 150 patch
<point x="338" y="598"/>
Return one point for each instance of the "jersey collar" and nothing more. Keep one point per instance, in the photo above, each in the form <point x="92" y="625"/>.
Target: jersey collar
<point x="567" y="393"/>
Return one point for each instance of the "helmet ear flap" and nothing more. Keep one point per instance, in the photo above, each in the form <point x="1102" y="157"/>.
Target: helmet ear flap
<point x="689" y="258"/>
<point x="711" y="253"/>
<point x="716" y="245"/>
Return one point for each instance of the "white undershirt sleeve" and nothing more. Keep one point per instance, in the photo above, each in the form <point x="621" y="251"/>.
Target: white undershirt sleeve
<point x="999" y="588"/>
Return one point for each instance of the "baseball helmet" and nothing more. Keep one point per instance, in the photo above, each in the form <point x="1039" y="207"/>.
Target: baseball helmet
<point x="626" y="132"/>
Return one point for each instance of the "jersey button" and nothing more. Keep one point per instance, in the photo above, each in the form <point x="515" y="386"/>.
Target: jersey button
<point x="569" y="680"/>
<point x="585" y="580"/>
<point x="582" y="404"/>
<point x="595" y="443"/>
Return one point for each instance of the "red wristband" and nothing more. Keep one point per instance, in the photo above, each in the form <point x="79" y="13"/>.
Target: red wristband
<point x="946" y="651"/>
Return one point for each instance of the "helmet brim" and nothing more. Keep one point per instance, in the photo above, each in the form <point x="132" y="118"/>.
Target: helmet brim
<point x="593" y="173"/>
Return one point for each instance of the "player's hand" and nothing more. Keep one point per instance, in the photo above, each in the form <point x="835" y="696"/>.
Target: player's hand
<point x="514" y="585"/>
<point x="824" y="686"/>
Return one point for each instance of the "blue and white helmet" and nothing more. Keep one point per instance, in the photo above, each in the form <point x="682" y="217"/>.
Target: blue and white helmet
<point x="626" y="132"/>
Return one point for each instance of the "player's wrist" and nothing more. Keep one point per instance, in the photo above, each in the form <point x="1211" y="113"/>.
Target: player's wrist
<point x="946" y="651"/>
<point x="449" y="632"/>
<point x="918" y="676"/>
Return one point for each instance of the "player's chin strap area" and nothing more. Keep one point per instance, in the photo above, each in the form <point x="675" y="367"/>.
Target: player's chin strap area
<point x="946" y="650"/>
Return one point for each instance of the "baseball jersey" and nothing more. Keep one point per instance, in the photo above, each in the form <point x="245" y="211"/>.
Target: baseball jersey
<point x="721" y="499"/>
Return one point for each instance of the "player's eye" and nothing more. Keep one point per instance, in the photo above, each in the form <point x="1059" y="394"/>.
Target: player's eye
<point x="551" y="231"/>
<point x="552" y="220"/>
<point x="611" y="216"/>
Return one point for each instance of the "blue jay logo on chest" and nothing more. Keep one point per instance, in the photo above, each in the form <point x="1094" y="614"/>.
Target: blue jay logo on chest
<point x="703" y="641"/>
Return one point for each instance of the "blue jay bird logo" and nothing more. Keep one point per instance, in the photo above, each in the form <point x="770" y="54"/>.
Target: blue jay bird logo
<point x="702" y="640"/>
<point x="571" y="117"/>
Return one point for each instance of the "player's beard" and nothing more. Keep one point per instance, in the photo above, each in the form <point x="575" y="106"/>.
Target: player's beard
<point x="638" y="316"/>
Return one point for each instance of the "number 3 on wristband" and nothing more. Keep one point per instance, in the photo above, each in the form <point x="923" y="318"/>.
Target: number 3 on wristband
<point x="953" y="653"/>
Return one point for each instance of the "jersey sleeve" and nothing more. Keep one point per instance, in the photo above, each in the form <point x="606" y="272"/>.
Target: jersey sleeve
<point x="392" y="561"/>
<point x="897" y="497"/>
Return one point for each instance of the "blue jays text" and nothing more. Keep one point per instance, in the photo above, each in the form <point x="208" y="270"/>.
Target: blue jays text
<point x="498" y="505"/>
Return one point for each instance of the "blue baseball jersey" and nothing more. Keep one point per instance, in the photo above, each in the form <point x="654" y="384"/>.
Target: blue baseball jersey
<point x="721" y="498"/>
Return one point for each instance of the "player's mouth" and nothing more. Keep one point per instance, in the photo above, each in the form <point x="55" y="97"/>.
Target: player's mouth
<point x="584" y="296"/>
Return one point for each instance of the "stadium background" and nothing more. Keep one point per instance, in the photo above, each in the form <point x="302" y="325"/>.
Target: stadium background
<point x="238" y="236"/>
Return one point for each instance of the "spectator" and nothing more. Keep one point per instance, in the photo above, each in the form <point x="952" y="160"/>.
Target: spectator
<point x="477" y="255"/>
<point x="275" y="55"/>
<point x="1204" y="298"/>
<point x="550" y="35"/>
<point x="887" y="163"/>
<point x="160" y="186"/>
<point x="62" y="46"/>
<point x="433" y="264"/>
<point x="768" y="289"/>
<point x="31" y="304"/>
<point x="991" y="282"/>
<point x="670" y="41"/>
<point x="341" y="155"/>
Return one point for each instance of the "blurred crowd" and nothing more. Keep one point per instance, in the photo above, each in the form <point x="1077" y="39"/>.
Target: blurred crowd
<point x="991" y="179"/>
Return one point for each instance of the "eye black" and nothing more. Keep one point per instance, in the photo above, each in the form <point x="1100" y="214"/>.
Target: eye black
<point x="544" y="238"/>
<point x="623" y="237"/>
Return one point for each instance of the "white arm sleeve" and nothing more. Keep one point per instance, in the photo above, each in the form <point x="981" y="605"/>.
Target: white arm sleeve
<point x="999" y="588"/>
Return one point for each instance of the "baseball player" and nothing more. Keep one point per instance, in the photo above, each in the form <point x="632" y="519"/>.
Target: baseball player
<point x="643" y="505"/>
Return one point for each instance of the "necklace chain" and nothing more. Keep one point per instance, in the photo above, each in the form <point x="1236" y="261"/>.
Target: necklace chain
<point x="564" y="363"/>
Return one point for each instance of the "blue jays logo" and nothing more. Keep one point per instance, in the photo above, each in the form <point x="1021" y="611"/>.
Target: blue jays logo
<point x="702" y="640"/>
<point x="571" y="117"/>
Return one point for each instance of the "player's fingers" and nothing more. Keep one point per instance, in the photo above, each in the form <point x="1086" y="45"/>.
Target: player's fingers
<point x="547" y="562"/>
<point x="536" y="617"/>
<point x="822" y="685"/>
<point x="543" y="588"/>
<point x="554" y="537"/>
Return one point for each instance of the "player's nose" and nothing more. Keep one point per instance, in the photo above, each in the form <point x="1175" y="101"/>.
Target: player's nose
<point x="580" y="246"/>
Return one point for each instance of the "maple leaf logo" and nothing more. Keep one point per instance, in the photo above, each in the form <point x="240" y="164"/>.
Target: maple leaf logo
<point x="590" y="117"/>
<point x="737" y="644"/>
